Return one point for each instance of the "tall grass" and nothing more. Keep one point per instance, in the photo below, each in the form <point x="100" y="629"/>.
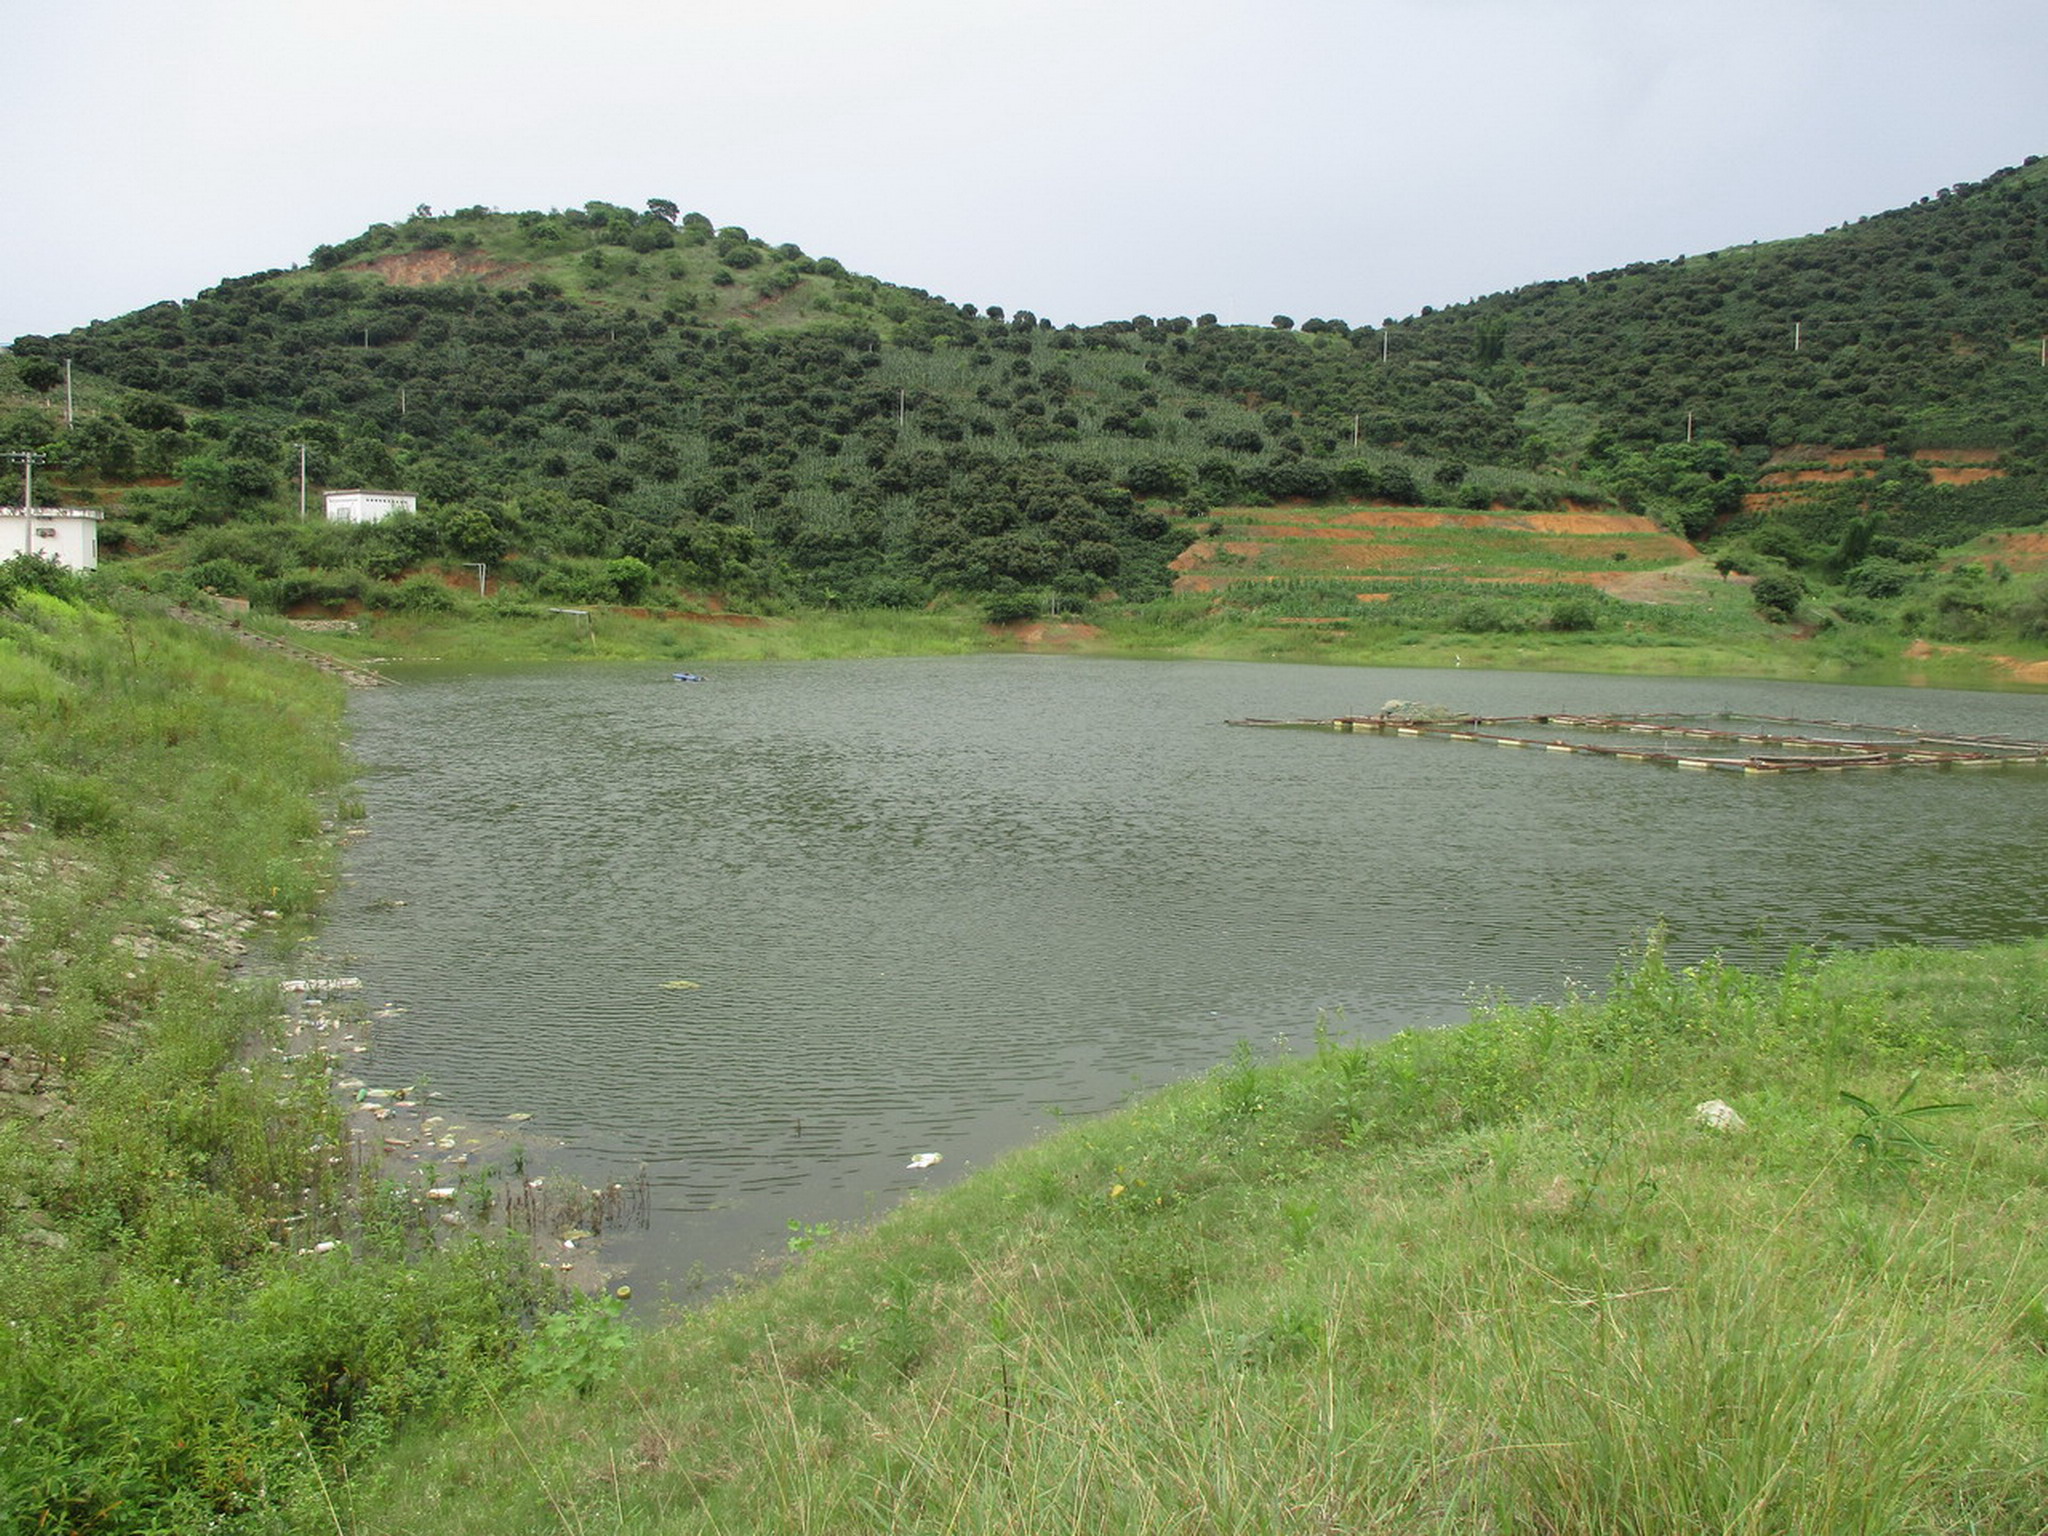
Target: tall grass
<point x="200" y="1315"/>
<point x="1493" y="1278"/>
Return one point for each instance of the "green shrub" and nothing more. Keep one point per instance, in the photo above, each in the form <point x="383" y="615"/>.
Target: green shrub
<point x="1574" y="614"/>
<point x="1879" y="576"/>
<point x="1777" y="594"/>
<point x="229" y="578"/>
<point x="420" y="594"/>
<point x="32" y="573"/>
<point x="1011" y="607"/>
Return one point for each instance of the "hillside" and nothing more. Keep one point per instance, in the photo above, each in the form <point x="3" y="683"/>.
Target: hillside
<point x="602" y="402"/>
<point x="1919" y="327"/>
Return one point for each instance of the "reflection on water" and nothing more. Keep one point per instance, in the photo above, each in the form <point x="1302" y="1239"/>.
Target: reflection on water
<point x="926" y="903"/>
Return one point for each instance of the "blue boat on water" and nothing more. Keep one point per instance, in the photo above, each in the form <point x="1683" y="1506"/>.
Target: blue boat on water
<point x="687" y="677"/>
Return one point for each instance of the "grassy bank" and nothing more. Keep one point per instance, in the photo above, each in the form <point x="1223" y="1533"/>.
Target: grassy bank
<point x="1717" y="644"/>
<point x="1492" y="1278"/>
<point x="203" y="1316"/>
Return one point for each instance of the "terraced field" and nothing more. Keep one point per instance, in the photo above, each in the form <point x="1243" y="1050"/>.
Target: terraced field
<point x="1382" y="545"/>
<point x="1794" y="472"/>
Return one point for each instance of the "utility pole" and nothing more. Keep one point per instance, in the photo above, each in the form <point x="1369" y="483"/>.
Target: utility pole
<point x="1795" y="335"/>
<point x="899" y="410"/>
<point x="302" y="482"/>
<point x="1688" y="426"/>
<point x="1354" y="431"/>
<point x="1384" y="334"/>
<point x="479" y="567"/>
<point x="67" y="392"/>
<point x="29" y="461"/>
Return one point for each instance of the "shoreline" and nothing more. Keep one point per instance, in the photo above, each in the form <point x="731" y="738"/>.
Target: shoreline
<point x="1851" y="658"/>
<point x="471" y="1175"/>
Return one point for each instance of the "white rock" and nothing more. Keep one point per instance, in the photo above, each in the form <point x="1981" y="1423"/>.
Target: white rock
<point x="1717" y="1116"/>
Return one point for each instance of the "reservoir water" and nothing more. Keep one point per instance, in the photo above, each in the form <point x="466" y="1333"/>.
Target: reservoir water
<point x="933" y="905"/>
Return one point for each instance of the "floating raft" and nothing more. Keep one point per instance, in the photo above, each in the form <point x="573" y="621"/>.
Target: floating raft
<point x="1783" y="744"/>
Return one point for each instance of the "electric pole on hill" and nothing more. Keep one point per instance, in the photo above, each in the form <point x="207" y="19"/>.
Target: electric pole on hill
<point x="29" y="460"/>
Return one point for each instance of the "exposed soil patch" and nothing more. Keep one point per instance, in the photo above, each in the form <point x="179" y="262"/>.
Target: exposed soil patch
<point x="2015" y="551"/>
<point x="420" y="269"/>
<point x="1415" y="517"/>
<point x="1784" y="477"/>
<point x="2024" y="671"/>
<point x="1678" y="584"/>
<point x="1048" y="634"/>
<point x="1586" y="522"/>
<point x="1836" y="466"/>
<point x="741" y="619"/>
<point x="1811" y="453"/>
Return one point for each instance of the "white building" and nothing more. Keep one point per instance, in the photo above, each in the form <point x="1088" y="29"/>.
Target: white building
<point x="368" y="506"/>
<point x="68" y="535"/>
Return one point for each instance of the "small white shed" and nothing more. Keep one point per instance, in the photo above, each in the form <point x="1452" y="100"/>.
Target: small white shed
<point x="68" y="535"/>
<point x="368" y="506"/>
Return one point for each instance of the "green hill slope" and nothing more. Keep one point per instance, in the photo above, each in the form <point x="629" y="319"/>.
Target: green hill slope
<point x="1921" y="326"/>
<point x="577" y="389"/>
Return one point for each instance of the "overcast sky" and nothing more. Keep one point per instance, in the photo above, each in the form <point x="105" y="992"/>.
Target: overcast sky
<point x="1086" y="159"/>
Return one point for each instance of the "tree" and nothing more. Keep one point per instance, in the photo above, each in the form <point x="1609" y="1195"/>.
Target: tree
<point x="629" y="577"/>
<point x="1777" y="594"/>
<point x="153" y="413"/>
<point x="470" y="534"/>
<point x="220" y="487"/>
<point x="663" y="209"/>
<point x="1283" y="323"/>
<point x="39" y="373"/>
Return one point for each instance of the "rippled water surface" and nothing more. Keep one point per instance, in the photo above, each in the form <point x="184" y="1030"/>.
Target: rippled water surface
<point x="927" y="903"/>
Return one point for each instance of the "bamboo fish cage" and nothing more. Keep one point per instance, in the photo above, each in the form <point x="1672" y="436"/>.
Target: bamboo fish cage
<point x="1719" y="742"/>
